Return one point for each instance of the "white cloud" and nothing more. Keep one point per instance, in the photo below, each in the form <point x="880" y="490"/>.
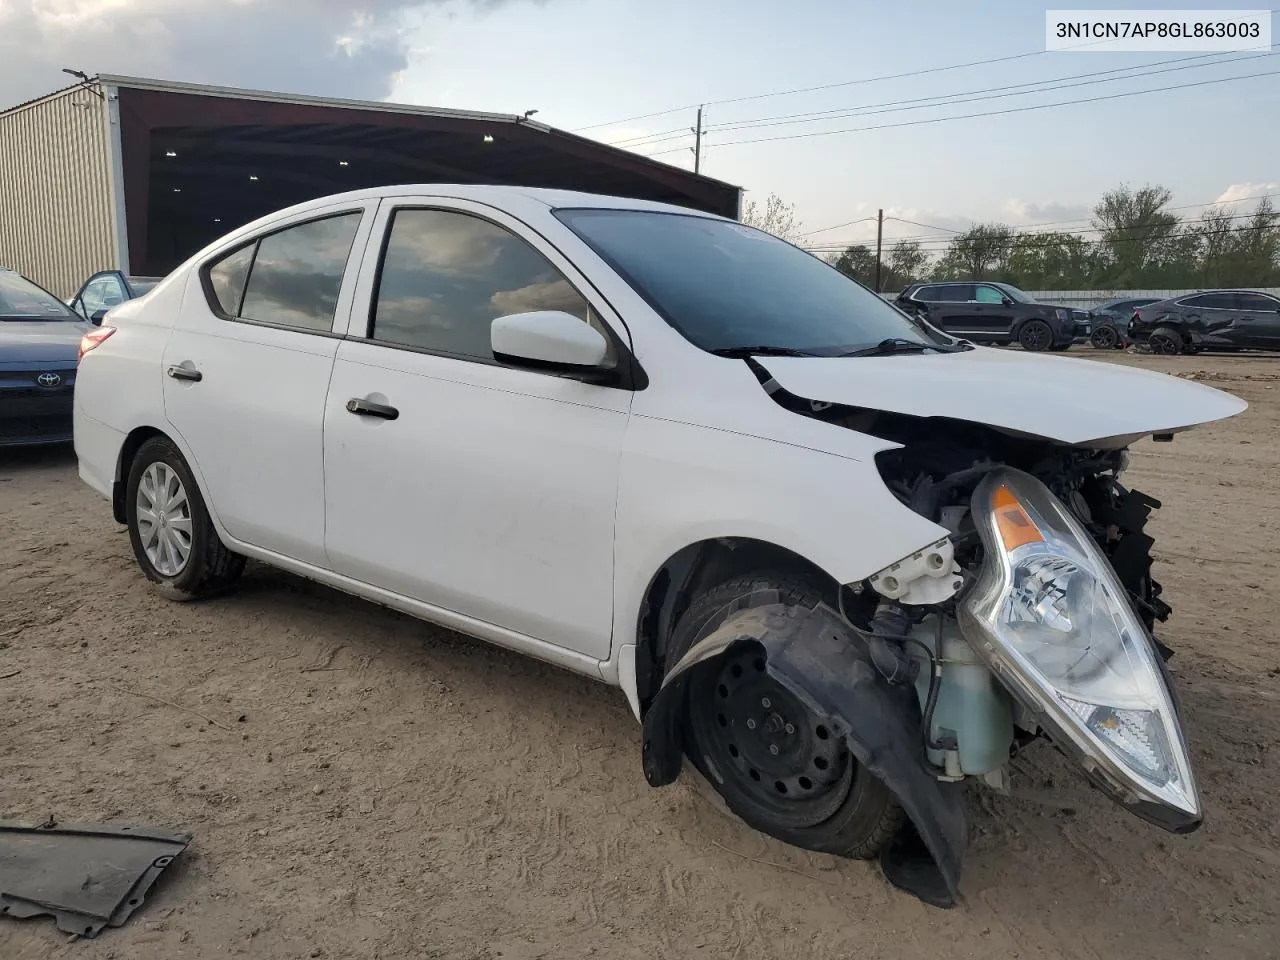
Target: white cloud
<point x="1019" y="212"/>
<point x="1244" y="191"/>
<point x="320" y="47"/>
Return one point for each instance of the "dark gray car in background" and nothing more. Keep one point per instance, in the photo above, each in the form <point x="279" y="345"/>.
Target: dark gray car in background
<point x="1219" y="320"/>
<point x="39" y="347"/>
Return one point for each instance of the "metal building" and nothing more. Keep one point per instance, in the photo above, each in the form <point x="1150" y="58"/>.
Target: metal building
<point x="120" y="172"/>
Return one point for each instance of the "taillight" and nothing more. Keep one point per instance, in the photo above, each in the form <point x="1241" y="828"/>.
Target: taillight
<point x="92" y="339"/>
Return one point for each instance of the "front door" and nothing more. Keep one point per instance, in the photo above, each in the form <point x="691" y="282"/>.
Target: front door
<point x="989" y="314"/>
<point x="247" y="369"/>
<point x="478" y="488"/>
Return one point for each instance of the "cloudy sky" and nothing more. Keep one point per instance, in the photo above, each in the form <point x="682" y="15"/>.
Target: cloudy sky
<point x="592" y="63"/>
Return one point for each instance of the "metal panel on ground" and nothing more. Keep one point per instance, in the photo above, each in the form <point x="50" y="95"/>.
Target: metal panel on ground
<point x="56" y="224"/>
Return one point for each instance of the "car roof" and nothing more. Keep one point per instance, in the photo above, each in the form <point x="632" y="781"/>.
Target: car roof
<point x="495" y="194"/>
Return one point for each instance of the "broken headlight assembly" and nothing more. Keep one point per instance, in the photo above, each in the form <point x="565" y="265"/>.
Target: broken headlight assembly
<point x="1055" y="624"/>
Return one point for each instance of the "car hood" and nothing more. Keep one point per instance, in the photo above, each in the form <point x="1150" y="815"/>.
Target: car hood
<point x="1070" y="401"/>
<point x="23" y="342"/>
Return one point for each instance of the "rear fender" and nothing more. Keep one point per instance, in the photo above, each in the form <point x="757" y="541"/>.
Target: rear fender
<point x="817" y="656"/>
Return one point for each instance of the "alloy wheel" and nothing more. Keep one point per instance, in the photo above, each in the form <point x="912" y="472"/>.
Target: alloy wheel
<point x="164" y="519"/>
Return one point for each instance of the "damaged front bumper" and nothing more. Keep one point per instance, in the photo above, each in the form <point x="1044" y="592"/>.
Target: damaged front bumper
<point x="817" y="656"/>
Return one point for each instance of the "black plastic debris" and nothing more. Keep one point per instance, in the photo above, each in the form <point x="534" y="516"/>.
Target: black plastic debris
<point x="86" y="876"/>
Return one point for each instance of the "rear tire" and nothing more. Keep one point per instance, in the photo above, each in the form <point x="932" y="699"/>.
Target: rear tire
<point x="1166" y="341"/>
<point x="173" y="537"/>
<point x="1035" y="335"/>
<point x="1105" y="338"/>
<point x="809" y="791"/>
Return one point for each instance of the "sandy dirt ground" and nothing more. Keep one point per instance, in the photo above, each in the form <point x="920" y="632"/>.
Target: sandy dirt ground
<point x="360" y="784"/>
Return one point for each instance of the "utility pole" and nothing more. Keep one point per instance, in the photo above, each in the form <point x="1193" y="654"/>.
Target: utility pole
<point x="879" y="245"/>
<point x="697" y="143"/>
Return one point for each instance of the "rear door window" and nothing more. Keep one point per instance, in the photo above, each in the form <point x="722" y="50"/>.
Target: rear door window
<point x="1210" y="301"/>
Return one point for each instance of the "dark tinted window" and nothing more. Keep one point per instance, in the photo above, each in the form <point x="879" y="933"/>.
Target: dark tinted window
<point x="447" y="276"/>
<point x="227" y="277"/>
<point x="723" y="285"/>
<point x="1210" y="301"/>
<point x="927" y="294"/>
<point x="1256" y="301"/>
<point x="954" y="292"/>
<point x="20" y="299"/>
<point x="297" y="274"/>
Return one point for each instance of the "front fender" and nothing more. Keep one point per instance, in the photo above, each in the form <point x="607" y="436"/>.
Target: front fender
<point x="817" y="656"/>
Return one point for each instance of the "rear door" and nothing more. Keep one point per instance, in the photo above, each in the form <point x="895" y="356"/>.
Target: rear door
<point x="949" y="307"/>
<point x="1259" y="320"/>
<point x="247" y="370"/>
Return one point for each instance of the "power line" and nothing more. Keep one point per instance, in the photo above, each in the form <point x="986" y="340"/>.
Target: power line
<point x="994" y="113"/>
<point x="838" y="226"/>
<point x="840" y="83"/>
<point x="947" y="100"/>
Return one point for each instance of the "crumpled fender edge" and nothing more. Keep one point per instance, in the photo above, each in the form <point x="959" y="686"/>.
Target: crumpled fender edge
<point x="824" y="662"/>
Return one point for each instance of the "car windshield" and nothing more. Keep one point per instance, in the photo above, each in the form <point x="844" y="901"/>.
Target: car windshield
<point x="729" y="288"/>
<point x="1016" y="295"/>
<point x="20" y="299"/>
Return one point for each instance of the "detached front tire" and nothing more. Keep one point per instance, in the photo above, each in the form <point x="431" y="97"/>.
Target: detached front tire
<point x="173" y="537"/>
<point x="775" y="764"/>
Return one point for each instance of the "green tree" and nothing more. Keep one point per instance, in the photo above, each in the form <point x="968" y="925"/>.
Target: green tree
<point x="776" y="217"/>
<point x="1139" y="237"/>
<point x="977" y="254"/>
<point x="859" y="262"/>
<point x="906" y="262"/>
<point x="1050" y="261"/>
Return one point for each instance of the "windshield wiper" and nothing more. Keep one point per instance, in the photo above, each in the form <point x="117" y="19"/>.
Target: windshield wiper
<point x="898" y="345"/>
<point x="761" y="351"/>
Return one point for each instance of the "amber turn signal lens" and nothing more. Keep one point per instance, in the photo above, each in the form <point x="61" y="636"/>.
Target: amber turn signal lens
<point x="1014" y="523"/>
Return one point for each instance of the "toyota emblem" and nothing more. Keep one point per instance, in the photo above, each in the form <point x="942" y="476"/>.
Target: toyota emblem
<point x="49" y="379"/>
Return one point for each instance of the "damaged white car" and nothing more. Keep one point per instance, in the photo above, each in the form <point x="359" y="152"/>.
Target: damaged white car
<point x="839" y="559"/>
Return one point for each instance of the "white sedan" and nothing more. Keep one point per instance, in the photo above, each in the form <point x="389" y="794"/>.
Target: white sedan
<point x="837" y="558"/>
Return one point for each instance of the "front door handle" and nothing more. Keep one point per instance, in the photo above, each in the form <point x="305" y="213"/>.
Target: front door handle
<point x="367" y="408"/>
<point x="190" y="374"/>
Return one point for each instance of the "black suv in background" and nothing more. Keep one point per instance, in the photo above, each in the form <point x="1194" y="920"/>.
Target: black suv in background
<point x="1213" y="320"/>
<point x="988" y="312"/>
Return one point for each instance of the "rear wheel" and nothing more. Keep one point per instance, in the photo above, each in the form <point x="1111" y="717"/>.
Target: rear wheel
<point x="1165" y="340"/>
<point x="173" y="537"/>
<point x="1105" y="338"/>
<point x="1035" y="335"/>
<point x="776" y="764"/>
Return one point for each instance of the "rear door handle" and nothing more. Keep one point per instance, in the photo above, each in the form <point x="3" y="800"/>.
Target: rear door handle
<point x="367" y="408"/>
<point x="185" y="373"/>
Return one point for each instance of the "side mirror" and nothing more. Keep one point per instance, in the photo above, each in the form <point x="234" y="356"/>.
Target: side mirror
<point x="1006" y="301"/>
<point x="548" y="340"/>
<point x="96" y="319"/>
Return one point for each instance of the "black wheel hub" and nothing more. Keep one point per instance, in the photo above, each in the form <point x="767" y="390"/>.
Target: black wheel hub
<point x="1163" y="344"/>
<point x="1104" y="338"/>
<point x="771" y="751"/>
<point x="1035" y="336"/>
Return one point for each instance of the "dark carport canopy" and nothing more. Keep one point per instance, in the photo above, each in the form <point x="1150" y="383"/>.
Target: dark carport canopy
<point x="199" y="161"/>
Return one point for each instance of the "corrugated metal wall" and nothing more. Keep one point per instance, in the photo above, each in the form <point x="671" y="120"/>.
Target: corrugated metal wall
<point x="55" y="190"/>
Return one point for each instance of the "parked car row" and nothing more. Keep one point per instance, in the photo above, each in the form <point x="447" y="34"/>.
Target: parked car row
<point x="994" y="313"/>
